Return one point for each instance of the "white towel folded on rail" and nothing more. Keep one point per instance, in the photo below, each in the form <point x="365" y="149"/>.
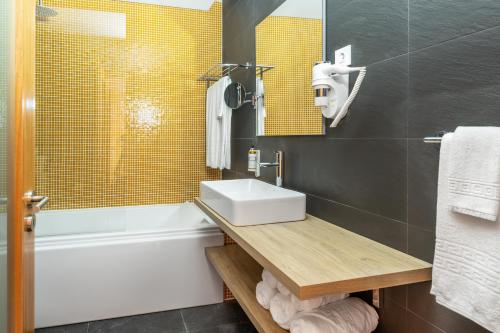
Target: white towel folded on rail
<point x="474" y="174"/>
<point x="350" y="315"/>
<point x="264" y="294"/>
<point x="466" y="270"/>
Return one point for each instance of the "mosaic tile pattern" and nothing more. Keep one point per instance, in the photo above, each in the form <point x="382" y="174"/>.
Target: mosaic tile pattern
<point x="120" y="114"/>
<point x="228" y="240"/>
<point x="228" y="295"/>
<point x="293" y="45"/>
<point x="4" y="109"/>
<point x="5" y="49"/>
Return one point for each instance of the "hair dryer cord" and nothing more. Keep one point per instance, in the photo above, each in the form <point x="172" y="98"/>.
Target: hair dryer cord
<point x="342" y="113"/>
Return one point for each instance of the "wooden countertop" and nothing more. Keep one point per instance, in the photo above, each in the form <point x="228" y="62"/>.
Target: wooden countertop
<point x="314" y="258"/>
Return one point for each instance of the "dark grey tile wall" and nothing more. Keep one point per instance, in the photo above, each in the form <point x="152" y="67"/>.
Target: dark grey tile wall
<point x="432" y="65"/>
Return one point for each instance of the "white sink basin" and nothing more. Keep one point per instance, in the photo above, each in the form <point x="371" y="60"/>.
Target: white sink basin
<point x="249" y="201"/>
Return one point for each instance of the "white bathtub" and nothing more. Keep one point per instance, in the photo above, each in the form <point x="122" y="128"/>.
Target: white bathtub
<point x="104" y="263"/>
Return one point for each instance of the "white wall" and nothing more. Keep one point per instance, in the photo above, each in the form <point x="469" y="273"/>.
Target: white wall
<point x="301" y="8"/>
<point x="193" y="4"/>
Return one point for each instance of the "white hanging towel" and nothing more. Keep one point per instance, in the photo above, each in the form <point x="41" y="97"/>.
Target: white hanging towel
<point x="260" y="107"/>
<point x="226" y="114"/>
<point x="218" y="126"/>
<point x="466" y="271"/>
<point x="474" y="180"/>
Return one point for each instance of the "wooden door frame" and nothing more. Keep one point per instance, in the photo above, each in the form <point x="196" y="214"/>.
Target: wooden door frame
<point x="21" y="135"/>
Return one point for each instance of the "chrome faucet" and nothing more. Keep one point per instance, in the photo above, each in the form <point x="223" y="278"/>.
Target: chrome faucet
<point x="278" y="164"/>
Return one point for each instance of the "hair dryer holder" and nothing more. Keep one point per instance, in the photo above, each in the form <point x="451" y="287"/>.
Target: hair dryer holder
<point x="337" y="95"/>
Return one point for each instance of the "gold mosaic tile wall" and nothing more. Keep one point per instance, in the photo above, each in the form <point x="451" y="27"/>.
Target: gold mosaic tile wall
<point x="5" y="107"/>
<point x="121" y="116"/>
<point x="5" y="65"/>
<point x="293" y="45"/>
<point x="228" y="295"/>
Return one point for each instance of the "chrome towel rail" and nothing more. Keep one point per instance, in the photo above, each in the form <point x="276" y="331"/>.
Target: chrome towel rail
<point x="435" y="139"/>
<point x="218" y="71"/>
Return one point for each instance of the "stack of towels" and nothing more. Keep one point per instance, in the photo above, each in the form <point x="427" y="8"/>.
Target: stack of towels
<point x="329" y="314"/>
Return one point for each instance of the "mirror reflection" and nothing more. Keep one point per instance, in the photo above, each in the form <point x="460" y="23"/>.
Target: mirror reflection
<point x="291" y="40"/>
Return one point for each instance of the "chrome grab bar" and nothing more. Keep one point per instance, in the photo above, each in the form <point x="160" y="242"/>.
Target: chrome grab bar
<point x="35" y="202"/>
<point x="38" y="202"/>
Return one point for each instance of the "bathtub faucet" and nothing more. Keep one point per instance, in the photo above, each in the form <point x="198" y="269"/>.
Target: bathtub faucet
<point x="278" y="164"/>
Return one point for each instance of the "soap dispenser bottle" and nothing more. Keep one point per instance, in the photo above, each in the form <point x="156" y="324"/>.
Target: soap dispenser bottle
<point x="252" y="159"/>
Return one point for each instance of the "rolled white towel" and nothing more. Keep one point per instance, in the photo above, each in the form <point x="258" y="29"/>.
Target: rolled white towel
<point x="264" y="294"/>
<point x="282" y="289"/>
<point x="334" y="298"/>
<point x="308" y="304"/>
<point x="350" y="315"/>
<point x="314" y="303"/>
<point x="269" y="279"/>
<point x="282" y="310"/>
<point x="312" y="324"/>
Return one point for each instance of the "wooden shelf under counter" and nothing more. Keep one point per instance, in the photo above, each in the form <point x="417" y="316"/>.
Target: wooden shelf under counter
<point x="241" y="273"/>
<point x="316" y="258"/>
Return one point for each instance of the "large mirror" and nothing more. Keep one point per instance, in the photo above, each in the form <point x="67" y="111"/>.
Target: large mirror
<point x="290" y="40"/>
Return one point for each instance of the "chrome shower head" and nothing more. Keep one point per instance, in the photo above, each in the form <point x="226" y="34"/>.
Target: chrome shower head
<point x="43" y="12"/>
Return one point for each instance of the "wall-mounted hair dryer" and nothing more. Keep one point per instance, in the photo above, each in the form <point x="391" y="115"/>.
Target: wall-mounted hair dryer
<point x="331" y="83"/>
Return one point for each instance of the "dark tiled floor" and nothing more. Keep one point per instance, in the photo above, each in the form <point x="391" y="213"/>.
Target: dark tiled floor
<point x="219" y="318"/>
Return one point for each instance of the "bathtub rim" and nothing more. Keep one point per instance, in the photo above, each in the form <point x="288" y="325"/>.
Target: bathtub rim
<point x="121" y="237"/>
<point x="123" y="233"/>
<point x="119" y="207"/>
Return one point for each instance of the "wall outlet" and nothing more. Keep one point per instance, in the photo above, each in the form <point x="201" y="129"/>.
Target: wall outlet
<point x="343" y="56"/>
